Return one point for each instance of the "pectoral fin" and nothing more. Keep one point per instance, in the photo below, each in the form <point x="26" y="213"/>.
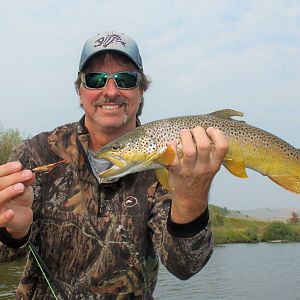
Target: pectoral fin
<point x="236" y="167"/>
<point x="162" y="176"/>
<point x="167" y="157"/>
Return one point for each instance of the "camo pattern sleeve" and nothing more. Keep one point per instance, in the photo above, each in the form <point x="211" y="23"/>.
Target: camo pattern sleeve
<point x="183" y="250"/>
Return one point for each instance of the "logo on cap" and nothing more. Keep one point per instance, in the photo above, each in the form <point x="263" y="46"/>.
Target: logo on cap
<point x="105" y="41"/>
<point x="130" y="201"/>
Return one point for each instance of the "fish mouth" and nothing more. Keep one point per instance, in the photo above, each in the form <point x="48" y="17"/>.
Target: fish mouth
<point x="116" y="160"/>
<point x="119" y="168"/>
<point x="113" y="172"/>
<point x="122" y="167"/>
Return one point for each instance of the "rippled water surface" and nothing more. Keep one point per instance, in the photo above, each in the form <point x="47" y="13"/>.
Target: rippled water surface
<point x="241" y="271"/>
<point x="10" y="274"/>
<point x="238" y="271"/>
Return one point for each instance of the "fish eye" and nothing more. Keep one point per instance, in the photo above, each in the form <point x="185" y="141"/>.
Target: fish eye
<point x="116" y="147"/>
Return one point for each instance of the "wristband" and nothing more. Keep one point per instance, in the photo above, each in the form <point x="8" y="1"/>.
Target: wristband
<point x="10" y="242"/>
<point x="189" y="229"/>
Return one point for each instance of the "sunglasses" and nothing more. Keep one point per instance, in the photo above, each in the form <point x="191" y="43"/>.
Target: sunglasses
<point x="123" y="80"/>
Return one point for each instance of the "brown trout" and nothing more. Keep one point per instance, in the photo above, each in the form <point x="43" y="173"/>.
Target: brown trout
<point x="146" y="147"/>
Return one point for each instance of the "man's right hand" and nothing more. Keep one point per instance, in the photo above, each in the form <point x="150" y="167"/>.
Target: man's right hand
<point x="16" y="198"/>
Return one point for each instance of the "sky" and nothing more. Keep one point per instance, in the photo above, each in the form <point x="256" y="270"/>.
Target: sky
<point x="201" y="56"/>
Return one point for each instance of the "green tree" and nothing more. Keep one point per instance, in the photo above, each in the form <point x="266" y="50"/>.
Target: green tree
<point x="278" y="231"/>
<point x="217" y="215"/>
<point x="9" y="138"/>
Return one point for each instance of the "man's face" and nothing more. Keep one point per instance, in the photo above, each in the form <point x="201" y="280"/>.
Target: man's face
<point x="110" y="109"/>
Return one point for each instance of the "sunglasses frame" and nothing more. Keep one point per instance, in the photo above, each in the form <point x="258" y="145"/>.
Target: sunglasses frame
<point x="111" y="76"/>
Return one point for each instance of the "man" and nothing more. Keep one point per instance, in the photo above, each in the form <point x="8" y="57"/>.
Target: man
<point x="101" y="239"/>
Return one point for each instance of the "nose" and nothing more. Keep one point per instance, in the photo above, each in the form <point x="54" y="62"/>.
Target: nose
<point x="111" y="90"/>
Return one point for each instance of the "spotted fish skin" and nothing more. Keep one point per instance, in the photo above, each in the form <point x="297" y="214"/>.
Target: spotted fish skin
<point x="146" y="147"/>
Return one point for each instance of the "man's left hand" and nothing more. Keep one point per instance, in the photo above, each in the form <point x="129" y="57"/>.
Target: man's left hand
<point x="190" y="177"/>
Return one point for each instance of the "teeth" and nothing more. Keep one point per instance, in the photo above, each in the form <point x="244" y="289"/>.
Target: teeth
<point x="111" y="107"/>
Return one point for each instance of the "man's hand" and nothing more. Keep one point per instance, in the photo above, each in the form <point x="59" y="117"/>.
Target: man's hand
<point x="190" y="177"/>
<point x="16" y="198"/>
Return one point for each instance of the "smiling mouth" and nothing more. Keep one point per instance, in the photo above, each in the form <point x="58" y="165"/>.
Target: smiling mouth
<point x="110" y="104"/>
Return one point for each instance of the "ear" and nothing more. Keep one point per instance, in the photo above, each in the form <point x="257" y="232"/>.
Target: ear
<point x="139" y="112"/>
<point x="80" y="97"/>
<point x="79" y="90"/>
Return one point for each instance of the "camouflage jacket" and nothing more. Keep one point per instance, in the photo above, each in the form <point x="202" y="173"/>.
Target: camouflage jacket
<point x="100" y="240"/>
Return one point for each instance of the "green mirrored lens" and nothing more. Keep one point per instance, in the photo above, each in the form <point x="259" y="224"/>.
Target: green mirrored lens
<point x="95" y="80"/>
<point x="123" y="80"/>
<point x="126" y="80"/>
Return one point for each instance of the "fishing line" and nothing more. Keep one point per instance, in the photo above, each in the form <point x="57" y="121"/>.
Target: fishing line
<point x="44" y="268"/>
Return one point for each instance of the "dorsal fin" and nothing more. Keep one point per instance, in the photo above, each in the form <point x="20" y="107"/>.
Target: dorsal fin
<point x="227" y="113"/>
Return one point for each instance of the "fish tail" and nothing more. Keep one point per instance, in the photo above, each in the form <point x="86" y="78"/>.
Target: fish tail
<point x="288" y="182"/>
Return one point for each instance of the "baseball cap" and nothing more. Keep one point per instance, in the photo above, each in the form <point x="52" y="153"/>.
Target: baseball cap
<point x="111" y="41"/>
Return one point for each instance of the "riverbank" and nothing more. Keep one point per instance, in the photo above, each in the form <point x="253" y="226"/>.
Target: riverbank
<point x="246" y="230"/>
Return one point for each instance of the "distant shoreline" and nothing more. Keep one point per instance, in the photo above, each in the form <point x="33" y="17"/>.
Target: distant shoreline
<point x="234" y="227"/>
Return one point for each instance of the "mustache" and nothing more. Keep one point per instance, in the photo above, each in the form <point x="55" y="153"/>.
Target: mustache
<point x="118" y="101"/>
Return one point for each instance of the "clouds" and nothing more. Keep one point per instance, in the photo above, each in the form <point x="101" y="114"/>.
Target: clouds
<point x="201" y="56"/>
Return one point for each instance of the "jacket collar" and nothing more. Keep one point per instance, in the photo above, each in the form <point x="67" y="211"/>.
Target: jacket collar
<point x="63" y="140"/>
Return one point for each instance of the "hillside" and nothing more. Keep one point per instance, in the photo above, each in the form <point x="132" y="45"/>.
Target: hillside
<point x="265" y="214"/>
<point x="270" y="214"/>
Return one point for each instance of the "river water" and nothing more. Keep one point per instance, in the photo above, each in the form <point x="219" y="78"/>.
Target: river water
<point x="236" y="271"/>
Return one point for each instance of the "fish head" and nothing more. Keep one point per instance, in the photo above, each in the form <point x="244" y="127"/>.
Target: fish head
<point x="132" y="152"/>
